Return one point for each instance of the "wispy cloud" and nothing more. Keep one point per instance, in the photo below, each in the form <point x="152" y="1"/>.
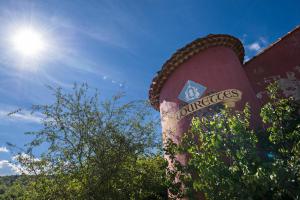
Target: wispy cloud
<point x="24" y="156"/>
<point x="3" y="150"/>
<point x="64" y="51"/>
<point x="8" y="114"/>
<point x="9" y="168"/>
<point x="264" y="41"/>
<point x="258" y="45"/>
<point x="26" y="116"/>
<point x="27" y="160"/>
<point x="14" y="167"/>
<point x="255" y="46"/>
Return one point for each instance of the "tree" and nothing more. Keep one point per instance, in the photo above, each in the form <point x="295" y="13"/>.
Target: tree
<point x="230" y="160"/>
<point x="94" y="150"/>
<point x="12" y="187"/>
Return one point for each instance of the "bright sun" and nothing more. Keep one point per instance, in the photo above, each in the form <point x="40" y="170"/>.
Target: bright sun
<point x="28" y="42"/>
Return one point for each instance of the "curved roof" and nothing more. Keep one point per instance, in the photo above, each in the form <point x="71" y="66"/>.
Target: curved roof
<point x="183" y="54"/>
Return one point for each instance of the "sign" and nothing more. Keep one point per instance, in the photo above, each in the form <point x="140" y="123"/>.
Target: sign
<point x="191" y="92"/>
<point x="228" y="97"/>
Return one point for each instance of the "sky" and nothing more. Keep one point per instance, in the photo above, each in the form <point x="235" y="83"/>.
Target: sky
<point x="114" y="45"/>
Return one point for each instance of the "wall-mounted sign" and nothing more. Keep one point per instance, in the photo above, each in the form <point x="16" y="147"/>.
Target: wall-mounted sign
<point x="191" y="91"/>
<point x="228" y="97"/>
<point x="170" y="117"/>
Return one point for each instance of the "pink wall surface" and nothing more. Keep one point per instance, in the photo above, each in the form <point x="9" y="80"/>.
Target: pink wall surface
<point x="217" y="68"/>
<point x="279" y="62"/>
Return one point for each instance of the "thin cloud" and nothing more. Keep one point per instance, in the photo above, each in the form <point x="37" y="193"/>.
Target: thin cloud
<point x="24" y="156"/>
<point x="264" y="41"/>
<point x="13" y="167"/>
<point x="8" y="168"/>
<point x="252" y="49"/>
<point x="258" y="45"/>
<point x="18" y="115"/>
<point x="3" y="150"/>
<point x="27" y="160"/>
<point x="255" y="46"/>
<point x="62" y="50"/>
<point x="108" y="37"/>
<point x="26" y="116"/>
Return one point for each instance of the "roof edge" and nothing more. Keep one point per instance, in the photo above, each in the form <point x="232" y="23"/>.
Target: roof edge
<point x="185" y="53"/>
<point x="297" y="28"/>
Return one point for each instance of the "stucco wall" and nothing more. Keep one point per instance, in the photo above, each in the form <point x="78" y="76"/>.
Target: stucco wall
<point x="279" y="62"/>
<point x="217" y="68"/>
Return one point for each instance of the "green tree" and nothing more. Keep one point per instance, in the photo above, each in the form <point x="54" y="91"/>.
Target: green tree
<point x="12" y="187"/>
<point x="228" y="159"/>
<point x="95" y="150"/>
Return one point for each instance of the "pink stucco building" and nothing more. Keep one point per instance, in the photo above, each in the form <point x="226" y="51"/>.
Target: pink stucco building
<point x="217" y="63"/>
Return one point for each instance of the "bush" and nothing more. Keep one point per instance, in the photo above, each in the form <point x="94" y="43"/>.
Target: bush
<point x="228" y="159"/>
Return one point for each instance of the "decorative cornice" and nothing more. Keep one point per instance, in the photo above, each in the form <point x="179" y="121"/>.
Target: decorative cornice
<point x="185" y="53"/>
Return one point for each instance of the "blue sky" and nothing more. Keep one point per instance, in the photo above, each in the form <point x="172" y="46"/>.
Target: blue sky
<point x="115" y="46"/>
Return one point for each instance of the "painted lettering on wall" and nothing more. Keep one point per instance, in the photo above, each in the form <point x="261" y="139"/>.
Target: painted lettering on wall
<point x="228" y="97"/>
<point x="170" y="114"/>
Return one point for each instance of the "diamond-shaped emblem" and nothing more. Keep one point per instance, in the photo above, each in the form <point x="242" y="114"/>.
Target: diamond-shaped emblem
<point x="191" y="91"/>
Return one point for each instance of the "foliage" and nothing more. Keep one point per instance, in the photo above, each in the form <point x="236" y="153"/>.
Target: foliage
<point x="94" y="150"/>
<point x="12" y="187"/>
<point x="228" y="159"/>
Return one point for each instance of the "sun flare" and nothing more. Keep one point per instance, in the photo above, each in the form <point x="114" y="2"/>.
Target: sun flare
<point x="28" y="42"/>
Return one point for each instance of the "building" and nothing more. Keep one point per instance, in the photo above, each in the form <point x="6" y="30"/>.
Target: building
<point x="211" y="71"/>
